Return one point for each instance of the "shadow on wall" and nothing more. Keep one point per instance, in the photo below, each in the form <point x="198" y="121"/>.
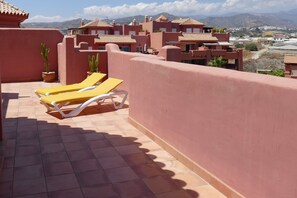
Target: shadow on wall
<point x="48" y="157"/>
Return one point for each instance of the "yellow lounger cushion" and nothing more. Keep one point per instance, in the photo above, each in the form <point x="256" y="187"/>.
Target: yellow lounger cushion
<point x="74" y="97"/>
<point x="89" y="81"/>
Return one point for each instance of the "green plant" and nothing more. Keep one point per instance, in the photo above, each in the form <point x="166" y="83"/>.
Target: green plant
<point x="44" y="53"/>
<point x="251" y="47"/>
<point x="217" y="62"/>
<point x="93" y="63"/>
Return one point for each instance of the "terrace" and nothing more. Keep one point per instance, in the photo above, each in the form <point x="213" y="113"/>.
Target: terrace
<point x="231" y="128"/>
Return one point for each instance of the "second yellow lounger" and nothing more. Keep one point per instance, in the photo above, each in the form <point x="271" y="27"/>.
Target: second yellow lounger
<point x="87" y="83"/>
<point x="105" y="90"/>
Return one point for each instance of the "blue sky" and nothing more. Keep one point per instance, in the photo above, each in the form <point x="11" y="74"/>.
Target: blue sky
<point x="54" y="10"/>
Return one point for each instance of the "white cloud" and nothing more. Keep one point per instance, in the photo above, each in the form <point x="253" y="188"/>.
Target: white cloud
<point x="178" y="7"/>
<point x="187" y="7"/>
<point x="40" y="18"/>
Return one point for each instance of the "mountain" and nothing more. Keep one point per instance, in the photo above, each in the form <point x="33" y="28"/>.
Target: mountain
<point x="281" y="19"/>
<point x="250" y="20"/>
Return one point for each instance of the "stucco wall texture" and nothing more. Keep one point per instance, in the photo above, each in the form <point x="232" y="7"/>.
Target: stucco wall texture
<point x="20" y="58"/>
<point x="238" y="126"/>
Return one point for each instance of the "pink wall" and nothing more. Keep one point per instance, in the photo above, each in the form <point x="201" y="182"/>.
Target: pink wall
<point x="73" y="60"/>
<point x="20" y="53"/>
<point x="222" y="37"/>
<point x="119" y="63"/>
<point x="238" y="126"/>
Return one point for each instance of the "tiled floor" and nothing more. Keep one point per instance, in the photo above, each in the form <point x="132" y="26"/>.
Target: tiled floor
<point x="95" y="154"/>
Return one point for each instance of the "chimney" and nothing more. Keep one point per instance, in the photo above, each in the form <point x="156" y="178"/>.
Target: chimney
<point x="113" y="22"/>
<point x="134" y="22"/>
<point x="151" y="18"/>
<point x="146" y="19"/>
<point x="82" y="22"/>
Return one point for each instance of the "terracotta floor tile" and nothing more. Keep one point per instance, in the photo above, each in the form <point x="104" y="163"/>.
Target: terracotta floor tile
<point x="72" y="193"/>
<point x="27" y="187"/>
<point x="93" y="136"/>
<point x="32" y="128"/>
<point x="173" y="167"/>
<point x="186" y="180"/>
<point x="121" y="174"/>
<point x="133" y="189"/>
<point x="27" y="135"/>
<point x="52" y="148"/>
<point x="27" y="150"/>
<point x="105" y="191"/>
<point x="61" y="182"/>
<point x="205" y="191"/>
<point x="160" y="184"/>
<point x="176" y="194"/>
<point x="85" y="165"/>
<point x="6" y="190"/>
<point x="148" y="170"/>
<point x="65" y="131"/>
<point x="28" y="172"/>
<point x="46" y="126"/>
<point x="74" y="146"/>
<point x="98" y="144"/>
<point x="160" y="156"/>
<point x="28" y="142"/>
<point x="128" y="149"/>
<point x="27" y="160"/>
<point x="55" y="157"/>
<point x="137" y="159"/>
<point x="49" y="133"/>
<point x="80" y="155"/>
<point x="59" y="168"/>
<point x="92" y="178"/>
<point x="105" y="152"/>
<point x="112" y="162"/>
<point x="9" y="152"/>
<point x="72" y="138"/>
<point x="8" y="162"/>
<point x="50" y="140"/>
<point x="42" y="195"/>
<point x="121" y="141"/>
<point x="6" y="175"/>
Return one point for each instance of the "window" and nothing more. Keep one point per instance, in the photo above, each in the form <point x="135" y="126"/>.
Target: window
<point x="116" y="32"/>
<point x="101" y="32"/>
<point x="173" y="29"/>
<point x="93" y="32"/>
<point x="189" y="30"/>
<point x="139" y="49"/>
<point x="196" y="30"/>
<point x="132" y="33"/>
<point x="162" y="29"/>
<point x="125" y="48"/>
<point x="90" y="48"/>
<point x="101" y="47"/>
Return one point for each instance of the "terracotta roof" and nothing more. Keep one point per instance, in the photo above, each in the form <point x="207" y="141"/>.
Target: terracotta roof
<point x="96" y="23"/>
<point x="115" y="39"/>
<point x="7" y="8"/>
<point x="187" y="21"/>
<point x="290" y="59"/>
<point x="197" y="37"/>
<point x="162" y="18"/>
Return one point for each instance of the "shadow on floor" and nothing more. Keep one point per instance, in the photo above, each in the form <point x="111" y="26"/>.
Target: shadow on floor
<point x="55" y="158"/>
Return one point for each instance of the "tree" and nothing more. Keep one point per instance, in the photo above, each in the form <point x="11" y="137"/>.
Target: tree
<point x="217" y="62"/>
<point x="251" y="47"/>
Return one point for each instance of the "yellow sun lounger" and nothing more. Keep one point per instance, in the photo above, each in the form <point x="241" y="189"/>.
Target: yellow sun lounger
<point x="103" y="91"/>
<point x="85" y="84"/>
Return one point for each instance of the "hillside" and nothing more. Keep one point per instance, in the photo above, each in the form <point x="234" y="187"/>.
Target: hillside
<point x="281" y="19"/>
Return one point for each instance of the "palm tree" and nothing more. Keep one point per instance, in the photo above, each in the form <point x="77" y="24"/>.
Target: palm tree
<point x="217" y="62"/>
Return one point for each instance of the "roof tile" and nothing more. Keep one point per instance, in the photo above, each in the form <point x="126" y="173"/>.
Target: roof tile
<point x="7" y="8"/>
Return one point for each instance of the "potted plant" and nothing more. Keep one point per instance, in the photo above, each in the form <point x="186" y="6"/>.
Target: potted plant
<point x="47" y="75"/>
<point x="93" y="63"/>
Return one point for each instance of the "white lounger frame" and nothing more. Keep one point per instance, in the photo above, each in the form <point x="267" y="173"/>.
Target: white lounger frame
<point x="80" y="107"/>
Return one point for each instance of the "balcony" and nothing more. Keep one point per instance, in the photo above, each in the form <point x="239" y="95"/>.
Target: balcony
<point x="98" y="153"/>
<point x="235" y="130"/>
